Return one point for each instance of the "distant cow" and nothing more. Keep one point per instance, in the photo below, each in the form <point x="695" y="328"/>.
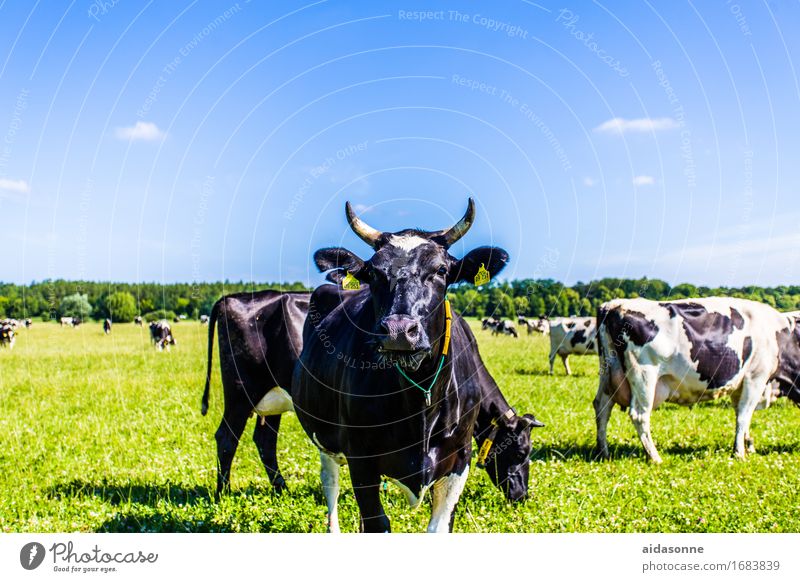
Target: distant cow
<point x="68" y="321"/>
<point x="138" y="320"/>
<point x="203" y="319"/>
<point x="161" y="335"/>
<point x="28" y="322"/>
<point x="7" y="336"/>
<point x="540" y="325"/>
<point x="498" y="326"/>
<point x="690" y="351"/>
<point x="260" y="338"/>
<point x="572" y="335"/>
<point x="107" y="326"/>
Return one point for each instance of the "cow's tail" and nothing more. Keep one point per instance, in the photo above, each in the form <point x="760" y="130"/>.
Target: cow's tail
<point x="212" y="320"/>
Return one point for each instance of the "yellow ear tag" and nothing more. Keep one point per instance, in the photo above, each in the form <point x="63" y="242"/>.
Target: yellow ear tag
<point x="482" y="277"/>
<point x="350" y="282"/>
<point x="484" y="452"/>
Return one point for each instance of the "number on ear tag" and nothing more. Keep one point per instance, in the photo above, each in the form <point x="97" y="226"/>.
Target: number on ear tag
<point x="482" y="277"/>
<point x="350" y="282"/>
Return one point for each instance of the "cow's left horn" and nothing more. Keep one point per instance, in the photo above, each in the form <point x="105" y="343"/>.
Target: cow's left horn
<point x="364" y="231"/>
<point x="451" y="236"/>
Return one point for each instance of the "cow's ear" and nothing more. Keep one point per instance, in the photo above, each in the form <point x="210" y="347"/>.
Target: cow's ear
<point x="339" y="262"/>
<point x="492" y="259"/>
<point x="528" y="420"/>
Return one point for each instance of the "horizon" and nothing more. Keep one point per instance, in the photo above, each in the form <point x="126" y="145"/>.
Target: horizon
<point x="183" y="142"/>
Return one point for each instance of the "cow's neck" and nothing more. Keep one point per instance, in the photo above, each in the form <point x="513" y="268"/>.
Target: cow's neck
<point x="491" y="410"/>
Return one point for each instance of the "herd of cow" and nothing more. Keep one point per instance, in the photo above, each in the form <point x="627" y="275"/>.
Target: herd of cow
<point x="385" y="378"/>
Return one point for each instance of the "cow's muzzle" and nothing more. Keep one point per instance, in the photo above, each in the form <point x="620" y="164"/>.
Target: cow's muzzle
<point x="403" y="334"/>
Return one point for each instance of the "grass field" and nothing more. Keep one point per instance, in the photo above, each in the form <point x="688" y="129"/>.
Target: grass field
<point x="105" y="434"/>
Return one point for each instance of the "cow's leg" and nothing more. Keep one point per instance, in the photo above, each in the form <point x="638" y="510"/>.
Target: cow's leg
<point x="366" y="485"/>
<point x="643" y="381"/>
<point x="552" y="361"/>
<point x="603" y="404"/>
<point x="329" y="475"/>
<point x="751" y="394"/>
<point x="265" y="435"/>
<point x="565" y="359"/>
<point x="446" y="492"/>
<point x="228" y="434"/>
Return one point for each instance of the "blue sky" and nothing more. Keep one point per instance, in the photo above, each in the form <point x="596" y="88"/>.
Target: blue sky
<point x="205" y="141"/>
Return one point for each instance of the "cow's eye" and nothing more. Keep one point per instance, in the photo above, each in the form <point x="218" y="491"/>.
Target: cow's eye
<point x="442" y="271"/>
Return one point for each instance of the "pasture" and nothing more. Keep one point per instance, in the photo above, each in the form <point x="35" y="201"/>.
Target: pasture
<point x="103" y="433"/>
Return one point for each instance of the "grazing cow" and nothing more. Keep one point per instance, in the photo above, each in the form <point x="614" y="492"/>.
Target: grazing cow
<point x="161" y="335"/>
<point x="540" y="325"/>
<point x="505" y="327"/>
<point x="7" y="336"/>
<point x="106" y="326"/>
<point x="690" y="351"/>
<point x="572" y="335"/>
<point x="375" y="385"/>
<point x="203" y="319"/>
<point x="28" y="322"/>
<point x="138" y="320"/>
<point x="76" y="321"/>
<point x="260" y="337"/>
<point x="68" y="321"/>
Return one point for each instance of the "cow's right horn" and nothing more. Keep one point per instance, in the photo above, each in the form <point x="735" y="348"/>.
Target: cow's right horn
<point x="364" y="231"/>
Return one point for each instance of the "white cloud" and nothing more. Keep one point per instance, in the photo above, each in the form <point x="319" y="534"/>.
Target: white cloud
<point x="643" y="180"/>
<point x="14" y="185"/>
<point x="645" y="124"/>
<point x="143" y="130"/>
<point x="589" y="182"/>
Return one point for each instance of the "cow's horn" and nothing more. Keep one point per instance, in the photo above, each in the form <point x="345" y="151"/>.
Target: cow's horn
<point x="364" y="231"/>
<point x="452" y="235"/>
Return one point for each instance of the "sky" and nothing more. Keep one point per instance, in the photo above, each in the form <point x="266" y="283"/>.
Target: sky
<point x="144" y="141"/>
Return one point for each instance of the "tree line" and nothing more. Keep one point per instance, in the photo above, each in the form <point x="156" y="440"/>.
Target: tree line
<point x="52" y="299"/>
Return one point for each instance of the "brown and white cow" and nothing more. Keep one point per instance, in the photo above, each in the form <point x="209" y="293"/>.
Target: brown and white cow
<point x="691" y="351"/>
<point x="572" y="335"/>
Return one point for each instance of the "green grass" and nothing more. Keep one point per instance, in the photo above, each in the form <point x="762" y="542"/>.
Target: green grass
<point x="105" y="434"/>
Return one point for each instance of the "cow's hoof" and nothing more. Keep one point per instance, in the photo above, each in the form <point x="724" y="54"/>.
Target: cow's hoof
<point x="600" y="454"/>
<point x="279" y="486"/>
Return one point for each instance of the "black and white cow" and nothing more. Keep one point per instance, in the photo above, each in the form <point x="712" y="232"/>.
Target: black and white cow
<point x="161" y="335"/>
<point x="572" y="335"/>
<point x="260" y="339"/>
<point x="68" y="321"/>
<point x="106" y="326"/>
<point x="375" y="385"/>
<point x="138" y="320"/>
<point x="539" y="325"/>
<point x="7" y="335"/>
<point x="203" y="319"/>
<point x="500" y="326"/>
<point x="690" y="351"/>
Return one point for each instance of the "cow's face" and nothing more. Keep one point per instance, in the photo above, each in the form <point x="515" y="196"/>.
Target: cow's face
<point x="508" y="462"/>
<point x="408" y="276"/>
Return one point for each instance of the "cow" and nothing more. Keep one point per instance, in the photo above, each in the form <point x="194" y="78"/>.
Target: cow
<point x="106" y="326"/>
<point x="260" y="339"/>
<point x="161" y="335"/>
<point x="68" y="321"/>
<point x="375" y="386"/>
<point x="7" y="336"/>
<point x="28" y="322"/>
<point x="204" y="320"/>
<point x="540" y="325"/>
<point x="572" y="335"/>
<point x="499" y="326"/>
<point x="138" y="321"/>
<point x="689" y="351"/>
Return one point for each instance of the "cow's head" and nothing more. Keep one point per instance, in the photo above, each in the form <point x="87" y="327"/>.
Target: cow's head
<point x="508" y="461"/>
<point x="408" y="276"/>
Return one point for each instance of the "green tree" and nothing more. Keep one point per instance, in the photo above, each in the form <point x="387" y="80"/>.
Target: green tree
<point x="76" y="305"/>
<point x="120" y="306"/>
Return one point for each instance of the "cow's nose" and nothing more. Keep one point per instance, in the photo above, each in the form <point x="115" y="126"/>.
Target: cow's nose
<point x="403" y="333"/>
